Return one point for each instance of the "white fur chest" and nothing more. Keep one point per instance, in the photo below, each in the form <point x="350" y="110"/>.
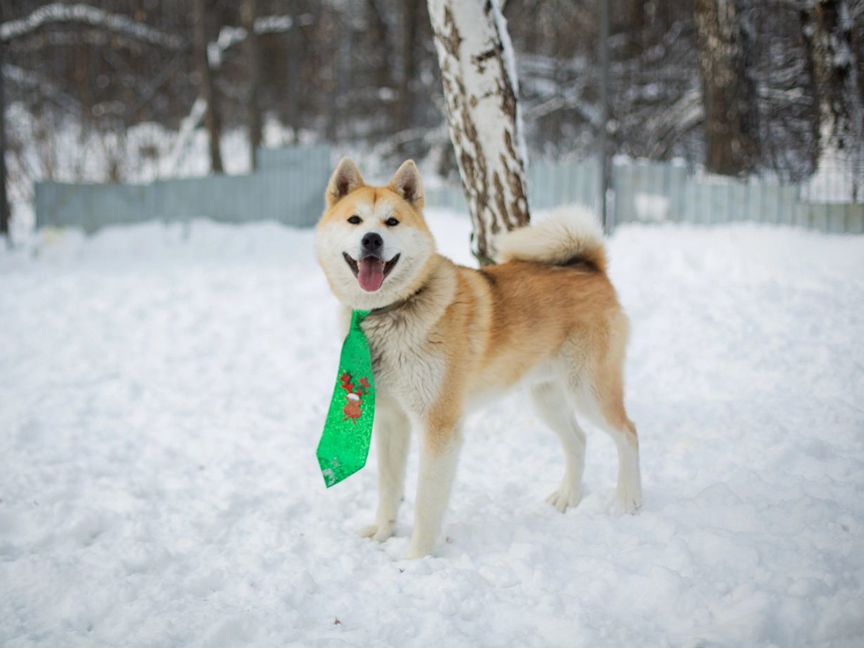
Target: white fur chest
<point x="406" y="369"/>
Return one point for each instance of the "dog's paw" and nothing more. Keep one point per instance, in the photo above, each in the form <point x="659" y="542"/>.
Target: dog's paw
<point x="626" y="501"/>
<point x="378" y="532"/>
<point x="422" y="545"/>
<point x="564" y="498"/>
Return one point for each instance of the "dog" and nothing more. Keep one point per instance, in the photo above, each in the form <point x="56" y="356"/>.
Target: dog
<point x="445" y="337"/>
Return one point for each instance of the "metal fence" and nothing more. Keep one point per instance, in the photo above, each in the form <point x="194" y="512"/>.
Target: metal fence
<point x="290" y="184"/>
<point x="663" y="192"/>
<point x="288" y="188"/>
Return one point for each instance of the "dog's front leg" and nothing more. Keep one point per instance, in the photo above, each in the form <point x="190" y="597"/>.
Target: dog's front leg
<point x="392" y="438"/>
<point x="439" y="455"/>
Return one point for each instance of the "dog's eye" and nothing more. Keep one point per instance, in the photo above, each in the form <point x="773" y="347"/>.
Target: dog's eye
<point x="391" y="222"/>
<point x="355" y="220"/>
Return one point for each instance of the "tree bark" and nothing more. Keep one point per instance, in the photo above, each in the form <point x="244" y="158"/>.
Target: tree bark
<point x="636" y="28"/>
<point x="728" y="93"/>
<point x="5" y="215"/>
<point x="253" y="59"/>
<point x="410" y="29"/>
<point x="208" y="91"/>
<point x="293" y="107"/>
<point x="380" y="32"/>
<point x="480" y="86"/>
<point x="827" y="30"/>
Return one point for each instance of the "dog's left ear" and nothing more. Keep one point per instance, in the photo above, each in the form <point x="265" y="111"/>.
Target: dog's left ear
<point x="407" y="183"/>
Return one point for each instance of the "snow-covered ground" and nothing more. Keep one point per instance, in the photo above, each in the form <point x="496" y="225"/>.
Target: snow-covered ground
<point x="162" y="393"/>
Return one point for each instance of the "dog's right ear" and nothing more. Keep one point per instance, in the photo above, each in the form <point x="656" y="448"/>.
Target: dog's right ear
<point x="345" y="179"/>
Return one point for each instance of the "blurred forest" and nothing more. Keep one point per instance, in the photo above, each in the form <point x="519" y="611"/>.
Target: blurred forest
<point x="364" y="73"/>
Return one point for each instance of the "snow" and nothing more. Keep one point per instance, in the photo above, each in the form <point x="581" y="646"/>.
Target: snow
<point x="186" y="133"/>
<point x="89" y="15"/>
<point x="163" y="393"/>
<point x="839" y="176"/>
<point x="230" y="36"/>
<point x="651" y="207"/>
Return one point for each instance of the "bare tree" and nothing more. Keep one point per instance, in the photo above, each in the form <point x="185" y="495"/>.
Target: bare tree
<point x="253" y="59"/>
<point x="4" y="201"/>
<point x="410" y="31"/>
<point x="294" y="50"/>
<point x="208" y="90"/>
<point x="380" y="33"/>
<point x="330" y="61"/>
<point x="478" y="73"/>
<point x="827" y="28"/>
<point x="728" y="95"/>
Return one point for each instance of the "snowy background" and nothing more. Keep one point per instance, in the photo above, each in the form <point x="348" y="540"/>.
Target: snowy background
<point x="163" y="392"/>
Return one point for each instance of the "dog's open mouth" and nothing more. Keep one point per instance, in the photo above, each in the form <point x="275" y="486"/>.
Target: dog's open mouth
<point x="370" y="271"/>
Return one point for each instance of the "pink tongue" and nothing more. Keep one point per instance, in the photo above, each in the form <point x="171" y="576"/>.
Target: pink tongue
<point x="371" y="274"/>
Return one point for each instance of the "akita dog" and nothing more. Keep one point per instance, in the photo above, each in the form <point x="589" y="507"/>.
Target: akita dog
<point x="444" y="337"/>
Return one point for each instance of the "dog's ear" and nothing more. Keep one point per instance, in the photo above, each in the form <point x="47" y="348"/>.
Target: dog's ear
<point x="407" y="183"/>
<point x="345" y="179"/>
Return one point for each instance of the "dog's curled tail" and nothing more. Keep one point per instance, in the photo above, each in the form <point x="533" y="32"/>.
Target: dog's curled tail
<point x="571" y="236"/>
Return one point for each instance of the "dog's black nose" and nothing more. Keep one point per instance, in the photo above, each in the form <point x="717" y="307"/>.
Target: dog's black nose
<point x="372" y="242"/>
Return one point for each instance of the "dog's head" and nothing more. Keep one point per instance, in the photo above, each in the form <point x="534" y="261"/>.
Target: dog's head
<point x="373" y="242"/>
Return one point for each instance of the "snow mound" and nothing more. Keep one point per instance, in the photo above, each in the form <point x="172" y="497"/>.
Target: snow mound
<point x="163" y="392"/>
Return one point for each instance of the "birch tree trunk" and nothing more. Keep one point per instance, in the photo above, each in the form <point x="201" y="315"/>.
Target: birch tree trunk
<point x="208" y="92"/>
<point x="478" y="72"/>
<point x="728" y="94"/>
<point x="827" y="28"/>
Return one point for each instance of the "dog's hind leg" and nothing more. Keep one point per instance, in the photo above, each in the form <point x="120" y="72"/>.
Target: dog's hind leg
<point x="392" y="439"/>
<point x="622" y="430"/>
<point x="439" y="456"/>
<point x="603" y="405"/>
<point x="555" y="408"/>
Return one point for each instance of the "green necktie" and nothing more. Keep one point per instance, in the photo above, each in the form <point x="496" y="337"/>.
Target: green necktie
<point x="344" y="444"/>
